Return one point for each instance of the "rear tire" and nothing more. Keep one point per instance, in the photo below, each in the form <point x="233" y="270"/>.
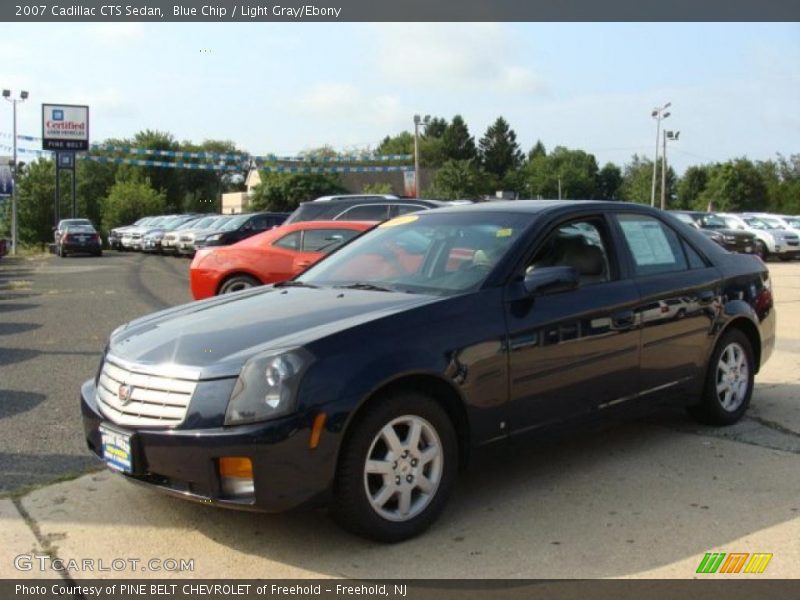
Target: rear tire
<point x="396" y="468"/>
<point x="237" y="283"/>
<point x="729" y="381"/>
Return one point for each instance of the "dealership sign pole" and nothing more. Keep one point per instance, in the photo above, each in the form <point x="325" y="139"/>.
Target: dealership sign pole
<point x="65" y="130"/>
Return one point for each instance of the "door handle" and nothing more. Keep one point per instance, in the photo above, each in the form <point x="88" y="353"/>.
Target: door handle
<point x="302" y="264"/>
<point x="625" y="319"/>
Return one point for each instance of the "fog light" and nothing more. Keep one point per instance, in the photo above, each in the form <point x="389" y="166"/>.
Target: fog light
<point x="236" y="476"/>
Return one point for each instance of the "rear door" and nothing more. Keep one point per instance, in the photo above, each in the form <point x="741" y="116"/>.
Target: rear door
<point x="680" y="296"/>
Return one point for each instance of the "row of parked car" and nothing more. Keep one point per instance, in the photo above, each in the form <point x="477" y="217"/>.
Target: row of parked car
<point x="765" y="234"/>
<point x="236" y="252"/>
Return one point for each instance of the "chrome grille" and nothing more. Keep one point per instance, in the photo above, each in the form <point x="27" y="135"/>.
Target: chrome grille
<point x="154" y="401"/>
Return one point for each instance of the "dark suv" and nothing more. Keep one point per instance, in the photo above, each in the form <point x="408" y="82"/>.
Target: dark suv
<point x="241" y="227"/>
<point x="363" y="207"/>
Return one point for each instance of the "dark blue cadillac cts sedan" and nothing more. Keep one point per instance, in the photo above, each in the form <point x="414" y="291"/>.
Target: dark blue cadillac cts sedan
<point x="364" y="382"/>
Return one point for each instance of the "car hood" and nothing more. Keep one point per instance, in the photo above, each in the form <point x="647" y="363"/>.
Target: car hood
<point x="213" y="338"/>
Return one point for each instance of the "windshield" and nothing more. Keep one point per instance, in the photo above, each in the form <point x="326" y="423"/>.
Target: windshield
<point x="440" y="254"/>
<point x="218" y="223"/>
<point x="177" y="224"/>
<point x="772" y="222"/>
<point x="793" y="223"/>
<point x="717" y="222"/>
<point x="201" y="223"/>
<point x="756" y="223"/>
<point x="234" y="223"/>
<point x="685" y="218"/>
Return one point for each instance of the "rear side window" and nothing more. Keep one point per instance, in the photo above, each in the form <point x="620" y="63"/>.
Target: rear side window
<point x="655" y="248"/>
<point x="365" y="212"/>
<point x="290" y="241"/>
<point x="325" y="240"/>
<point x="695" y="260"/>
<point x="403" y="209"/>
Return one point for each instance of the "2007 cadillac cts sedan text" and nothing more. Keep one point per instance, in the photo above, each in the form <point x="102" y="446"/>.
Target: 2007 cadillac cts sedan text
<point x="364" y="382"/>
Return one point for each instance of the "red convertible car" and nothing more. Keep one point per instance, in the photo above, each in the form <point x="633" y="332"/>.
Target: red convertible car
<point x="273" y="256"/>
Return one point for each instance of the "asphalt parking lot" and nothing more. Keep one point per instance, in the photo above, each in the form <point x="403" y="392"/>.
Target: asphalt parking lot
<point x="640" y="499"/>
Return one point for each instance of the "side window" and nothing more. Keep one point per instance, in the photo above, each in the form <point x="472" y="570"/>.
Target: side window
<point x="325" y="240"/>
<point x="695" y="260"/>
<point x="259" y="223"/>
<point x="654" y="246"/>
<point x="404" y="209"/>
<point x="290" y="241"/>
<point x="365" y="212"/>
<point x="577" y="244"/>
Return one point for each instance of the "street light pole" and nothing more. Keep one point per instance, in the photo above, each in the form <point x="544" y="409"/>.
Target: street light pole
<point x="673" y="137"/>
<point x="658" y="114"/>
<point x="416" y="155"/>
<point x="23" y="95"/>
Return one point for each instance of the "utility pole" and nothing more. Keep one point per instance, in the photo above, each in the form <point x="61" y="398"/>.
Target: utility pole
<point x="23" y="95"/>
<point x="658" y="114"/>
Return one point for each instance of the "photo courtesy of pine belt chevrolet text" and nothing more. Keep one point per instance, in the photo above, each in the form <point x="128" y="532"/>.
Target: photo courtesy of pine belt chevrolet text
<point x="365" y="382"/>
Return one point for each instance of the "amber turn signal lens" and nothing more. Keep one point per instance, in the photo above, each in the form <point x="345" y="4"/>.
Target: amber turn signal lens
<point x="316" y="430"/>
<point x="235" y="466"/>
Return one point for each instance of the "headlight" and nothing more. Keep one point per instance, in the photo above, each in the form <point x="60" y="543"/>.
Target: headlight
<point x="214" y="238"/>
<point x="730" y="238"/>
<point x="267" y="387"/>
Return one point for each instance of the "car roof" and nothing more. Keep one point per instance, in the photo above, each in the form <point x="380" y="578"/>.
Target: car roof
<point x="342" y="197"/>
<point x="543" y="206"/>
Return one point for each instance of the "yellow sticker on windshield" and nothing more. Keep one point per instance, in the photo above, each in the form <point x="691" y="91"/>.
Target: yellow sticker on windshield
<point x="399" y="221"/>
<point x="504" y="232"/>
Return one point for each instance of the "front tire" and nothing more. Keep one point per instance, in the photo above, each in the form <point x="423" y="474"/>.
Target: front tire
<point x="761" y="250"/>
<point x="729" y="382"/>
<point x="396" y="469"/>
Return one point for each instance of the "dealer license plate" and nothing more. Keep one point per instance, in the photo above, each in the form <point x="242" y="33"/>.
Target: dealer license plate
<point x="748" y="248"/>
<point x="116" y="449"/>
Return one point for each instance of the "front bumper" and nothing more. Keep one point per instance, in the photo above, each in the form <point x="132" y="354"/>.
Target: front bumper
<point x="184" y="462"/>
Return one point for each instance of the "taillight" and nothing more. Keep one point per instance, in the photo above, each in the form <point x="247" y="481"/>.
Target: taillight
<point x="97" y="236"/>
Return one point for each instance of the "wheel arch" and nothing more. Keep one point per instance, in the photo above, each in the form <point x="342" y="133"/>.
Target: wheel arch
<point x="746" y="326"/>
<point x="437" y="388"/>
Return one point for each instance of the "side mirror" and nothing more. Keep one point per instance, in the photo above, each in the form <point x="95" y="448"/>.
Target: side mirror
<point x="551" y="280"/>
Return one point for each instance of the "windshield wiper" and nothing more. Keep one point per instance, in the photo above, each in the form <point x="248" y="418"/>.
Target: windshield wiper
<point x="294" y="283"/>
<point x="363" y="285"/>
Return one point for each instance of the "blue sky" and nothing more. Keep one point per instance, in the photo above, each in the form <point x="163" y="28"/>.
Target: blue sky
<point x="284" y="88"/>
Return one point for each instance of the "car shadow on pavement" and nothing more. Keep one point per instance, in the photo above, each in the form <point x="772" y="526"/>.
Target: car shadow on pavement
<point x="17" y="328"/>
<point x="13" y="402"/>
<point x="21" y="470"/>
<point x="624" y="500"/>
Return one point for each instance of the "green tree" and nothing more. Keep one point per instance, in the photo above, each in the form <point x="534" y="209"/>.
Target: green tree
<point x="377" y="188"/>
<point x="456" y="179"/>
<point x="609" y="180"/>
<point x="691" y="186"/>
<point x="435" y="127"/>
<point x="537" y="150"/>
<point x="574" y="170"/>
<point x="736" y="185"/>
<point x="499" y="150"/>
<point x="130" y="200"/>
<point x="457" y="142"/>
<point x="637" y="179"/>
<point x="284" y="191"/>
<point x="402" y="143"/>
<point x="36" y="189"/>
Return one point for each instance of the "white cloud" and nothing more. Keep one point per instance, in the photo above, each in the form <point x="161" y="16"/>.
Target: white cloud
<point x="115" y="34"/>
<point x="452" y="57"/>
<point x="344" y="101"/>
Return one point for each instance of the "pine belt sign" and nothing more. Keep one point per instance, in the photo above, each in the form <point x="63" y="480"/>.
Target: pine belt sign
<point x="65" y="127"/>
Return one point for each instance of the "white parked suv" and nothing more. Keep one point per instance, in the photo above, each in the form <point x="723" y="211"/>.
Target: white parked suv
<point x="778" y="242"/>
